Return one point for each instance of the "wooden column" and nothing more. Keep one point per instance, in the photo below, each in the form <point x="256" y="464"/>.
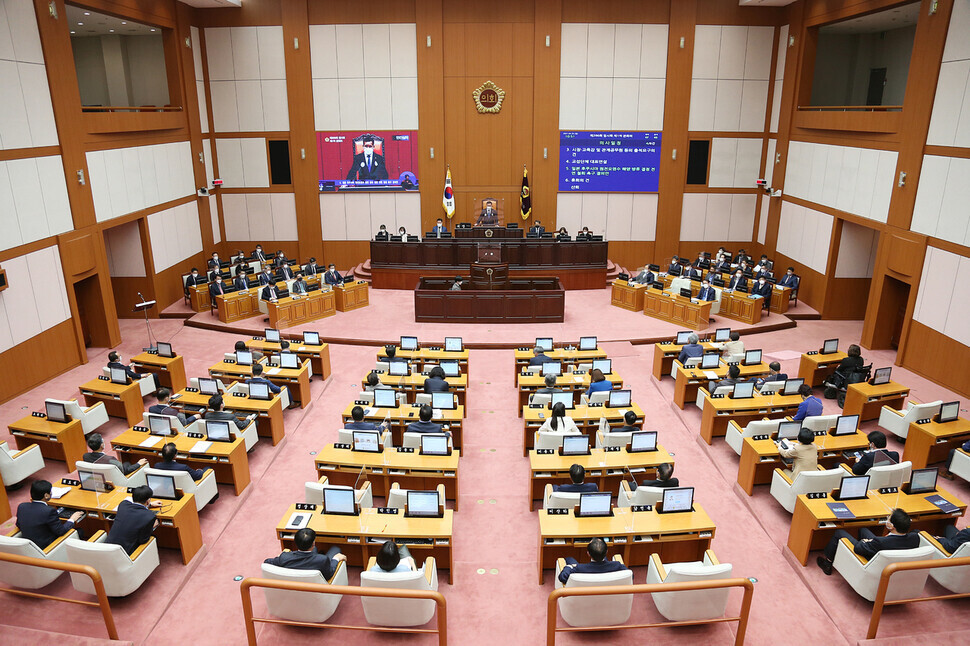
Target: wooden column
<point x="431" y="110"/>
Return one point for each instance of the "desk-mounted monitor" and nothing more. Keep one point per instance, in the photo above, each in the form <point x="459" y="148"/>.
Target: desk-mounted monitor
<point x="159" y="425"/>
<point x="208" y="386"/>
<point x="339" y="501"/>
<point x="789" y="430"/>
<point x="603" y="365"/>
<point x="923" y="481"/>
<point x="162" y="486"/>
<point x="217" y="431"/>
<point x="409" y="343"/>
<point x="846" y="425"/>
<point x="271" y="335"/>
<point x="752" y="357"/>
<point x="642" y="441"/>
<point x="398" y="369"/>
<point x="453" y="344"/>
<point x="118" y="376"/>
<point x="443" y="401"/>
<point x="791" y="386"/>
<point x="260" y="391"/>
<point x="949" y="412"/>
<point x="434" y="444"/>
<point x="545" y="343"/>
<point x="682" y="337"/>
<point x="450" y="368"/>
<point x="575" y="445"/>
<point x="552" y="368"/>
<point x="165" y="350"/>
<point x="56" y="412"/>
<point x="587" y="343"/>
<point x="289" y="361"/>
<point x="595" y="504"/>
<point x="244" y="358"/>
<point x="882" y="376"/>
<point x="710" y="361"/>
<point x="854" y="488"/>
<point x="367" y="441"/>
<point x="677" y="499"/>
<point x="830" y="346"/>
<point x="566" y="399"/>
<point x="722" y="335"/>
<point x="385" y="398"/>
<point x="423" y="504"/>
<point x="311" y="338"/>
<point x="619" y="399"/>
<point x="743" y="390"/>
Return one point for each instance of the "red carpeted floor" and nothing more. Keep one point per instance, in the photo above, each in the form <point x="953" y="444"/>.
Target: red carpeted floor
<point x="495" y="597"/>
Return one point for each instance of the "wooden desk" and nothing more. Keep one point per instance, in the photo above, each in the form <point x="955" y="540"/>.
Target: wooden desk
<point x="635" y="535"/>
<point x="178" y="520"/>
<point x="759" y="458"/>
<point x="352" y="296"/>
<point x="413" y="384"/>
<point x="228" y="460"/>
<point x="430" y="354"/>
<point x="740" y="307"/>
<point x="780" y="299"/>
<point x="404" y="415"/>
<point x="289" y="311"/>
<point x="688" y="382"/>
<point x="816" y="368"/>
<point x="535" y="299"/>
<point x="664" y="355"/>
<point x="56" y="441"/>
<point x="296" y="380"/>
<point x="122" y="401"/>
<point x="676" y="309"/>
<point x="360" y="537"/>
<point x="236" y="306"/>
<point x="576" y="383"/>
<point x="587" y="419"/>
<point x="170" y="371"/>
<point x="5" y="513"/>
<point x="626" y="296"/>
<point x="410" y="470"/>
<point x="269" y="413"/>
<point x="813" y="523"/>
<point x="199" y="298"/>
<point x="606" y="469"/>
<point x="567" y="357"/>
<point x="718" y="412"/>
<point x="319" y="355"/>
<point x="932" y="442"/>
<point x="866" y="400"/>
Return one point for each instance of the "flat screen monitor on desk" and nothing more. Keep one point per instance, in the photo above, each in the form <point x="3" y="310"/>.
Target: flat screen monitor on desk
<point x="91" y="481"/>
<point x="566" y="399"/>
<point x="789" y="430"/>
<point x="208" y="386"/>
<point x="217" y="431"/>
<point x="118" y="376"/>
<point x="603" y="365"/>
<point x="162" y="486"/>
<point x="271" y="335"/>
<point x="643" y="441"/>
<point x="791" y="386"/>
<point x="288" y="361"/>
<point x="339" y="501"/>
<point x="423" y="504"/>
<point x="677" y="499"/>
<point x="854" y="488"/>
<point x="846" y="425"/>
<point x="685" y="292"/>
<point x="56" y="412"/>
<point x="882" y="376"/>
<point x="159" y="425"/>
<point x="682" y="337"/>
<point x="367" y="441"/>
<point x="722" y="335"/>
<point x="552" y="368"/>
<point x="752" y="357"/>
<point x="434" y="444"/>
<point x="450" y="368"/>
<point x="545" y="343"/>
<point x="409" y="343"/>
<point x="587" y="343"/>
<point x="923" y="481"/>
<point x="453" y="344"/>
<point x="244" y="357"/>
<point x="165" y="350"/>
<point x="575" y="445"/>
<point x="710" y="361"/>
<point x="385" y="398"/>
<point x="595" y="504"/>
<point x="443" y="401"/>
<point x="619" y="399"/>
<point x="260" y="391"/>
<point x="830" y="346"/>
<point x="311" y="338"/>
<point x="398" y="369"/>
<point x="949" y="412"/>
<point x="743" y="390"/>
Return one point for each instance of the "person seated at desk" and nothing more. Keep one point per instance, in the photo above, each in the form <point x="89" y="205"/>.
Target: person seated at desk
<point x="945" y="471"/>
<point x="300" y="285"/>
<point x="810" y="406"/>
<point x="645" y="277"/>
<point x="675" y="269"/>
<point x="217" y="287"/>
<point x="114" y="361"/>
<point x="270" y="293"/>
<point x="240" y="346"/>
<point x="789" y="279"/>
<point x="258" y="254"/>
<point x="240" y="283"/>
<point x="733" y="347"/>
<point x="38" y="521"/>
<point x="332" y="277"/>
<point x="665" y="477"/>
<point x="868" y="544"/>
<point x="284" y="273"/>
<point x="877" y="442"/>
<point x="562" y="234"/>
<point x="723" y="264"/>
<point x="403" y="233"/>
<point x="214" y="262"/>
<point x="391" y="352"/>
<point x="439" y="228"/>
<point x="306" y="556"/>
<point x="952" y="539"/>
<point x="194" y="280"/>
<point x="97" y="456"/>
<point x="762" y="288"/>
<point x="382" y="234"/>
<point x="775" y="374"/>
<point x="804" y="454"/>
<point x="762" y="271"/>
<point x="257" y="378"/>
<point x="367" y="164"/>
<point x="537" y="228"/>
<point x="394" y="559"/>
<point x="266" y="276"/>
<point x="456" y="286"/>
<point x="163" y="407"/>
<point x="134" y="522"/>
<point x="217" y="411"/>
<point x="598" y="563"/>
<point x="559" y="423"/>
<point x="692" y="271"/>
<point x="577" y="474"/>
<point x="550" y="389"/>
<point x="598" y="382"/>
<point x="168" y="463"/>
<point x="742" y="257"/>
<point x="285" y="347"/>
<point x="436" y="382"/>
<point x="629" y="424"/>
<point x="851" y="362"/>
<point x="424" y="423"/>
<point x="734" y="376"/>
<point x="373" y="381"/>
<point x="357" y="414"/>
<point x="706" y="292"/>
<point x="692" y="349"/>
<point x="279" y="260"/>
<point x="539" y="357"/>
<point x="312" y="268"/>
<point x="738" y="281"/>
<point x="488" y="216"/>
<point x="584" y="235"/>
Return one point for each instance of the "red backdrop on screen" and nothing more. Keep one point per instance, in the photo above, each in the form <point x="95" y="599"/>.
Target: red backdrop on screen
<point x="336" y="152"/>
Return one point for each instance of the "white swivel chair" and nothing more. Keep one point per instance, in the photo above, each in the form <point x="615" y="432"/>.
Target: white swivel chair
<point x="820" y="422"/>
<point x="346" y="436"/>
<point x="559" y="499"/>
<point x="295" y="605"/>
<point x="121" y="574"/>
<point x="583" y="367"/>
<point x="28" y="576"/>
<point x="864" y="575"/>
<point x="398" y="498"/>
<point x="734" y="435"/>
<point x="627" y="497"/>
<point x="955" y="579"/>
<point x="550" y="440"/>
<point x="204" y="490"/>
<point x="540" y="398"/>
<point x="960" y="466"/>
<point x="413" y="440"/>
<point x="113" y="474"/>
<point x="787" y="491"/>
<point x="720" y="390"/>
<point x="146" y="384"/>
<point x="891" y="475"/>
<point x="897" y="421"/>
<point x="388" y="611"/>
<point x="91" y="417"/>
<point x="313" y="492"/>
<point x="599" y="397"/>
<point x="15" y="466"/>
<point x="601" y="610"/>
<point x="689" y="605"/>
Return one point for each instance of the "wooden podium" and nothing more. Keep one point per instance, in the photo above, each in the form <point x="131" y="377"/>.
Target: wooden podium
<point x="489" y="275"/>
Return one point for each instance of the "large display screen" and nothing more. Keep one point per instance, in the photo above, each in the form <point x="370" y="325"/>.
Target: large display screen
<point x="627" y="162"/>
<point x="376" y="160"/>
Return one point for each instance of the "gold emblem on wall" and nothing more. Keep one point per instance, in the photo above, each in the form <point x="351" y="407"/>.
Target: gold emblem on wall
<point x="488" y="98"/>
<point x="488" y="233"/>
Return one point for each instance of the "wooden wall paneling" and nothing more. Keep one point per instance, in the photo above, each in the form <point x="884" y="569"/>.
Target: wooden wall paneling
<point x="846" y="298"/>
<point x="125" y="290"/>
<point x="631" y="254"/>
<point x="823" y="11"/>
<point x="899" y="255"/>
<point x="492" y="12"/>
<point x="613" y="11"/>
<point x="221" y="247"/>
<point x="544" y="170"/>
<point x="925" y="347"/>
<point x="303" y="141"/>
<point x="252" y="13"/>
<point x="168" y="282"/>
<point x="83" y="256"/>
<point x="30" y="372"/>
<point x="718" y="12"/>
<point x="374" y="11"/>
<point x="811" y="286"/>
<point x="345" y="254"/>
<point x="765" y="162"/>
<point x="431" y="110"/>
<point x="155" y="12"/>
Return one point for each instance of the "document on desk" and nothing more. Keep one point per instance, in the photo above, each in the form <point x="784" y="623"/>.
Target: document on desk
<point x="437" y="413"/>
<point x="200" y="447"/>
<point x="840" y="510"/>
<point x="945" y="505"/>
<point x="152" y="441"/>
<point x="578" y="379"/>
<point x="58" y="492"/>
<point x="710" y="374"/>
<point x="273" y="371"/>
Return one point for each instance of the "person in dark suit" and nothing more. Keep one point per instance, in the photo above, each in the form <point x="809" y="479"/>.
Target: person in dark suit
<point x="488" y="216"/>
<point x="674" y="269"/>
<point x="163" y="407"/>
<point x="257" y="378"/>
<point x="577" y="474"/>
<point x="537" y="228"/>
<point x="332" y="277"/>
<point x="266" y="277"/>
<point x="218" y="412"/>
<point x="762" y="288"/>
<point x="367" y="164"/>
<point x="135" y="521"/>
<point x="598" y="563"/>
<point x="645" y="277"/>
<point x="114" y="361"/>
<point x="38" y="521"/>
<point x="97" y="456"/>
<point x="734" y="376"/>
<point x="692" y="349"/>
<point x="240" y="282"/>
<point x="357" y="414"/>
<point x="540" y="357"/>
<point x="391" y="352"/>
<point x="269" y="293"/>
<point x="868" y="544"/>
<point x="280" y="259"/>
<point x="258" y="253"/>
<point x="774" y="375"/>
<point x="550" y="389"/>
<point x="306" y="556"/>
<point x="762" y="270"/>
<point x="373" y="381"/>
<point x="723" y="264"/>
<point x="168" y="463"/>
<point x="952" y="539"/>
<point x="665" y="477"/>
<point x="562" y="234"/>
<point x="217" y="287"/>
<point x="877" y="442"/>
<point x="789" y="279"/>
<point x="381" y="234"/>
<point x="214" y="262"/>
<point x="194" y="280"/>
<point x="436" y="382"/>
<point x="738" y="281"/>
<point x="312" y="268"/>
<point x="299" y="285"/>
<point x="945" y="471"/>
<point x="629" y="424"/>
<point x="424" y="425"/>
<point x="706" y="292"/>
<point x="439" y="227"/>
<point x="284" y="273"/>
<point x="692" y="271"/>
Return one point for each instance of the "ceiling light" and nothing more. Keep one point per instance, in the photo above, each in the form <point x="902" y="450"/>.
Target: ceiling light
<point x="73" y="32"/>
<point x="112" y="30"/>
<point x="152" y="29"/>
<point x="87" y="13"/>
<point x="80" y="23"/>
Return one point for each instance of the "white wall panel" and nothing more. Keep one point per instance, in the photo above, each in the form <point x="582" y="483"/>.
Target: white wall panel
<point x="594" y="213"/>
<point x="175" y="234"/>
<point x="333" y="219"/>
<point x="572" y="113"/>
<point x="36" y="299"/>
<point x="376" y="52"/>
<point x="626" y="51"/>
<point x="950" y="121"/>
<point x="572" y="62"/>
<point x="804" y="235"/>
<point x="404" y="101"/>
<point x="407" y="210"/>
<point x="727" y="105"/>
<point x="323" y="51"/>
<point x="693" y="216"/>
<point x="703" y="94"/>
<point x="350" y="51"/>
<point x="269" y="39"/>
<point x="717" y="221"/>
<point x="353" y="114"/>
<point x="255" y="162"/>
<point x="28" y="200"/>
<point x="650" y="104"/>
<point x="245" y="53"/>
<point x="857" y="251"/>
<point x="763" y="220"/>
<point x="234" y="215"/>
<point x="775" y="106"/>
<point x="569" y="211"/>
<point x="249" y="105"/>
<point x="111" y="172"/>
<point x="9" y="223"/>
<point x="14" y="128"/>
<point x="225" y="115"/>
<point x="404" y="54"/>
<point x="358" y="216"/>
<point x="26" y="115"/>
<point x="757" y="56"/>
<point x="229" y="152"/>
<point x="20" y="301"/>
<point x="707" y="46"/>
<point x="959" y="311"/>
<point x="625" y="102"/>
<point x="717" y="217"/>
<point x="782" y="52"/>
<point x="754" y="98"/>
<point x="735" y="163"/>
<point x="741" y="225"/>
<point x="259" y="210"/>
<point x="214" y="219"/>
<point x="47" y="281"/>
<point x="599" y="51"/>
<point x="326" y="105"/>
<point x="619" y="216"/>
<point x="599" y="102"/>
<point x="770" y="161"/>
<point x="377" y="98"/>
<point x="653" y="51"/>
<point x="207" y="158"/>
<point x="380" y="210"/>
<point x="6" y="44"/>
<point x="37" y="100"/>
<point x="196" y="52"/>
<point x="644" y="223"/>
<point x="356" y="205"/>
<point x="218" y="47"/>
<point x="937" y="287"/>
<point x="731" y="54"/>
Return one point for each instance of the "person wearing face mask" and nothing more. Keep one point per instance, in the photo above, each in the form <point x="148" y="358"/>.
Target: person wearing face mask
<point x="723" y="263"/>
<point x="239" y="282"/>
<point x="193" y="280"/>
<point x="738" y="281"/>
<point x="214" y="263"/>
<point x="312" y="269"/>
<point x="216" y="287"/>
<point x="403" y="233"/>
<point x="381" y="233"/>
<point x="488" y="216"/>
<point x="266" y="278"/>
<point x="368" y="164"/>
<point x="438" y="228"/>
<point x="280" y="259"/>
<point x="258" y="254"/>
<point x="762" y="288"/>
<point x="789" y="279"/>
<point x="332" y="277"/>
<point x="706" y="292"/>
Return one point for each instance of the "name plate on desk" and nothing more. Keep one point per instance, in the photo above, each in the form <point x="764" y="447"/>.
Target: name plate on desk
<point x="341" y="445"/>
<point x="191" y="390"/>
<point x="68" y="482"/>
<point x="612" y="449"/>
<point x="545" y="451"/>
<point x="923" y="421"/>
<point x="40" y="415"/>
<point x="813" y="352"/>
<point x="817" y="495"/>
<point x="718" y="396"/>
<point x="152" y="351"/>
<point x="819" y="433"/>
<point x="196" y="436"/>
<point x="557" y="511"/>
<point x="760" y="437"/>
<point x="140" y="429"/>
<point x="889" y="490"/>
<point x="387" y="510"/>
<point x="638" y="508"/>
<point x="103" y="378"/>
<point x="239" y="394"/>
<point x="306" y="506"/>
<point x="405" y="449"/>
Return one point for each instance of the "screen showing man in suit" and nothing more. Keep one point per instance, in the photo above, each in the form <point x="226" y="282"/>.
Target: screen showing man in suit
<point x="368" y="161"/>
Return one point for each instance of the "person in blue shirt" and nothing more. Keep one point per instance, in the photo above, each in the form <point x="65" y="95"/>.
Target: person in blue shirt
<point x="577" y="474"/>
<point x="598" y="382"/>
<point x="706" y="292"/>
<point x="257" y="379"/>
<point x="394" y="559"/>
<point x="597" y="563"/>
<point x="945" y="471"/>
<point x="692" y="349"/>
<point x="810" y="406"/>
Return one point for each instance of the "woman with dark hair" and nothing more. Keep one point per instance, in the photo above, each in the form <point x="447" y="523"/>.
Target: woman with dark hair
<point x="558" y="422"/>
<point x="598" y="382"/>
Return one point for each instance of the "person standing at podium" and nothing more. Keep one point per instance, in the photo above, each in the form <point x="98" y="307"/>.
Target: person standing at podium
<point x="488" y="217"/>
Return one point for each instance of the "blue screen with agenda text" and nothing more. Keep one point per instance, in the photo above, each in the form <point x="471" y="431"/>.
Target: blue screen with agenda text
<point x="609" y="161"/>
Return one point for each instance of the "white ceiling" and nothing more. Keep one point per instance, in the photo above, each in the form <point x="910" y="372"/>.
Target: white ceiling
<point x="209" y="4"/>
<point x="765" y="3"/>
<point x="904" y="16"/>
<point x="99" y="24"/>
